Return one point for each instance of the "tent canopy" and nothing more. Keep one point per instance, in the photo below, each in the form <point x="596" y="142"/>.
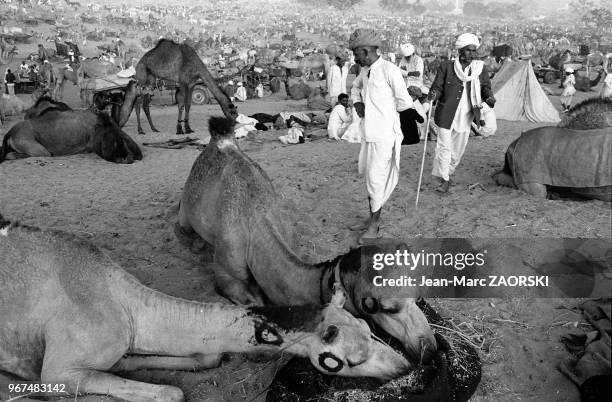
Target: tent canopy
<point x="519" y="95"/>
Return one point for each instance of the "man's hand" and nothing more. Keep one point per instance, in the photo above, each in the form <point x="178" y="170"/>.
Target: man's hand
<point x="490" y="101"/>
<point x="482" y="123"/>
<point x="360" y="109"/>
<point x="432" y="96"/>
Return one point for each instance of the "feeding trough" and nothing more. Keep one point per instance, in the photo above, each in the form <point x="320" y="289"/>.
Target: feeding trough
<point x="453" y="375"/>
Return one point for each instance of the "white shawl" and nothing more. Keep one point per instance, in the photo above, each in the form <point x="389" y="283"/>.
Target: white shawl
<point x="475" y="68"/>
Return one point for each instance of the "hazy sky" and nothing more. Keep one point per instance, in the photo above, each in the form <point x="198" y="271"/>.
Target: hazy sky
<point x="540" y="4"/>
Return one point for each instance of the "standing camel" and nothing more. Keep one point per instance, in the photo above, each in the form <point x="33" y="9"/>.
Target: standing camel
<point x="89" y="68"/>
<point x="179" y="63"/>
<point x="133" y="97"/>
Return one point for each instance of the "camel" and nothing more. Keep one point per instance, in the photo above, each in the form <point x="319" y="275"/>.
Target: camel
<point x="229" y="203"/>
<point x="78" y="324"/>
<point x="133" y="97"/>
<point x="180" y="63"/>
<point x="578" y="162"/>
<point x="55" y="132"/>
<point x="88" y="68"/>
<point x="43" y="104"/>
<point x="589" y="114"/>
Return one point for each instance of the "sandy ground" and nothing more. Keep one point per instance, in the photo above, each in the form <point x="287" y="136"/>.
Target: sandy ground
<point x="121" y="209"/>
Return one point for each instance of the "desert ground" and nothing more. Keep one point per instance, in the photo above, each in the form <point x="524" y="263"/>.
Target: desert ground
<point x="123" y="209"/>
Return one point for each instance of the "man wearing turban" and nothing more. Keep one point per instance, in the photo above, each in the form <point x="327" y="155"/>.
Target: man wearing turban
<point x="378" y="93"/>
<point x="460" y="87"/>
<point x="412" y="66"/>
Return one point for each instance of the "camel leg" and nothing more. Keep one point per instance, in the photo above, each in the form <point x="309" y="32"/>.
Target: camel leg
<point x="537" y="189"/>
<point x="137" y="106"/>
<point x="503" y="179"/>
<point x="27" y="146"/>
<point x="146" y="103"/>
<point x="188" y="94"/>
<point x="232" y="276"/>
<point x="237" y="291"/>
<point x="133" y="363"/>
<point x="181" y="105"/>
<point x="86" y="381"/>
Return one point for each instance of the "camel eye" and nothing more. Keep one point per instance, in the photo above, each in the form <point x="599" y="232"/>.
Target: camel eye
<point x="370" y="305"/>
<point x="392" y="308"/>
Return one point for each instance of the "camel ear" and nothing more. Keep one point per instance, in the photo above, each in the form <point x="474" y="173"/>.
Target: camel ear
<point x="330" y="334"/>
<point x="339" y="297"/>
<point x="403" y="246"/>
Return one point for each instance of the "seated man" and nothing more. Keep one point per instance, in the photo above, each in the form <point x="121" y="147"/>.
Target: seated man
<point x="24" y="69"/>
<point x="340" y="118"/>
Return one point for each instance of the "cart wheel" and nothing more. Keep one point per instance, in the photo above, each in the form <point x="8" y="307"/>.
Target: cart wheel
<point x="549" y="77"/>
<point x="199" y="96"/>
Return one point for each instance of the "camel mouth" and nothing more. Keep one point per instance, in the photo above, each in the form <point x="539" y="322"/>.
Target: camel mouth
<point x="299" y="380"/>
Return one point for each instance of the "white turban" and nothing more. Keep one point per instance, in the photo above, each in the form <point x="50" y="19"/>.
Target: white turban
<point x="466" y="39"/>
<point x="407" y="49"/>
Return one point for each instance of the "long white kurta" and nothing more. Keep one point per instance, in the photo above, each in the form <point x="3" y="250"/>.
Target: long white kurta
<point x="336" y="82"/>
<point x="382" y="90"/>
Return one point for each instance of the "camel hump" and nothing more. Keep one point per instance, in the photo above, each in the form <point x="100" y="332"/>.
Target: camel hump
<point x="589" y="114"/>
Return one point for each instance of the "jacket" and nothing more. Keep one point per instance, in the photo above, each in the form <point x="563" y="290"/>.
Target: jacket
<point x="449" y="89"/>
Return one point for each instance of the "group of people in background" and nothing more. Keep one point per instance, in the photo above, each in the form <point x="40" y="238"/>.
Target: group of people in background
<point x="390" y="106"/>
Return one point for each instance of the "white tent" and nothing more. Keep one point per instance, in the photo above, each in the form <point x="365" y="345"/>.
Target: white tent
<point x="519" y="95"/>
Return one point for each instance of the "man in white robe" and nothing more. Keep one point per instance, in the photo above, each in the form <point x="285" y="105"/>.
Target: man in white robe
<point x="339" y="119"/>
<point x="378" y="94"/>
<point x="336" y="80"/>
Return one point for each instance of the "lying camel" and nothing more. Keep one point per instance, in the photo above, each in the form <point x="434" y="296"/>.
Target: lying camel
<point x="43" y="104"/>
<point x="574" y="161"/>
<point x="229" y="202"/>
<point x="77" y="323"/>
<point x="55" y="132"/>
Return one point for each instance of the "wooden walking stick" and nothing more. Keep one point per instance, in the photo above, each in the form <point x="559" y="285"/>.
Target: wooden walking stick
<point x="416" y="203"/>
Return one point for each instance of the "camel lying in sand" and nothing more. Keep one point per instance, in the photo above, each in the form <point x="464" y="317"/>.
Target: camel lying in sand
<point x="53" y="130"/>
<point x="574" y="157"/>
<point x="230" y="203"/>
<point x="69" y="314"/>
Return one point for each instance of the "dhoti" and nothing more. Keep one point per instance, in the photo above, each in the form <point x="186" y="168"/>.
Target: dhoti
<point x="379" y="162"/>
<point x="449" y="150"/>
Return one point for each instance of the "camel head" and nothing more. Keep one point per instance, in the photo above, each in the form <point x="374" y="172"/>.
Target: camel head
<point x="345" y="346"/>
<point x="221" y="130"/>
<point x="396" y="313"/>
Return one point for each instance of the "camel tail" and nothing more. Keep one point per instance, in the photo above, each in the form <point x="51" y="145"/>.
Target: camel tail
<point x="4" y="150"/>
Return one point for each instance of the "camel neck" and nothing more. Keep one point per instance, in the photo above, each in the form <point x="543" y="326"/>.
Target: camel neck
<point x="283" y="276"/>
<point x="170" y="326"/>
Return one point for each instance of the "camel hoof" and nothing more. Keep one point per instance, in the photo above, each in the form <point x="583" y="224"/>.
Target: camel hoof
<point x="141" y="132"/>
<point x="188" y="130"/>
<point x="155" y="130"/>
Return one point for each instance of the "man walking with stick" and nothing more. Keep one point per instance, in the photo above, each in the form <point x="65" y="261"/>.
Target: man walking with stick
<point x="460" y="86"/>
<point x="378" y="94"/>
